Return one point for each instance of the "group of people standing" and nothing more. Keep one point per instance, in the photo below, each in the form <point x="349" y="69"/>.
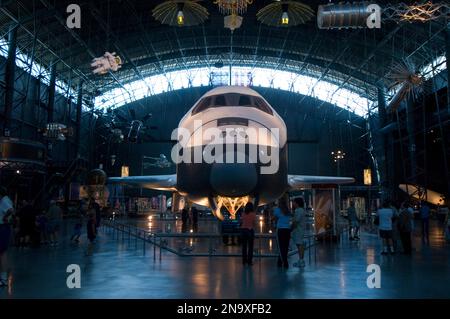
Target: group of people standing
<point x="92" y="212"/>
<point x="289" y="226"/>
<point x="32" y="226"/>
<point x="394" y="224"/>
<point x="29" y="226"/>
<point x="26" y="226"/>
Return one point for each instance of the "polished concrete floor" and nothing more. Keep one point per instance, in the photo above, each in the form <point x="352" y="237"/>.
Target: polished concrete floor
<point x="118" y="269"/>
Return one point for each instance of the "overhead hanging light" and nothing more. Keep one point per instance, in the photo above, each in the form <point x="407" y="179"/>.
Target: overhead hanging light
<point x="285" y="13"/>
<point x="180" y="17"/>
<point x="285" y="18"/>
<point x="180" y="13"/>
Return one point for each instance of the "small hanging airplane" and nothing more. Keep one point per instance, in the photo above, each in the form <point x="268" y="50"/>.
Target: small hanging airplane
<point x="252" y="131"/>
<point x="160" y="162"/>
<point x="421" y="193"/>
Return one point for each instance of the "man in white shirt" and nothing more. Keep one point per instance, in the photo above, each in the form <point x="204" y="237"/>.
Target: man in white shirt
<point x="385" y="215"/>
<point x="6" y="209"/>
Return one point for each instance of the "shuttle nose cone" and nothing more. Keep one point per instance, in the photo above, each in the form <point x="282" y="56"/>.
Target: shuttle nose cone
<point x="233" y="180"/>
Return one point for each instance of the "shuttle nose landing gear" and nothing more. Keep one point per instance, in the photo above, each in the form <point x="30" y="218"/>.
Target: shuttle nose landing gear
<point x="232" y="204"/>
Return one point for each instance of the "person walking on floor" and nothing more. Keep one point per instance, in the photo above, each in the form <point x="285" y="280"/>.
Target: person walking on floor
<point x="194" y="213"/>
<point x="395" y="234"/>
<point x="425" y="218"/>
<point x="97" y="212"/>
<point x="411" y="213"/>
<point x="283" y="220"/>
<point x="248" y="220"/>
<point x="385" y="215"/>
<point x="6" y="211"/>
<point x="404" y="228"/>
<point x="298" y="230"/>
<point x="353" y="222"/>
<point x="184" y="219"/>
<point x="27" y="223"/>
<point x="42" y="226"/>
<point x="447" y="225"/>
<point x="77" y="228"/>
<point x="54" y="216"/>
<point x="90" y="229"/>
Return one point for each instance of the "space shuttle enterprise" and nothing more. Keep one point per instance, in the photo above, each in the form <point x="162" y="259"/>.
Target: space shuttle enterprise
<point x="232" y="149"/>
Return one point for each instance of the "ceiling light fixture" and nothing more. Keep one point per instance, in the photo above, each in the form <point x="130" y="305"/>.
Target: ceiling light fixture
<point x="180" y="13"/>
<point x="285" y="13"/>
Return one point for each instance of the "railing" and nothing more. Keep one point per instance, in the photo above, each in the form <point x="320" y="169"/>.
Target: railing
<point x="161" y="241"/>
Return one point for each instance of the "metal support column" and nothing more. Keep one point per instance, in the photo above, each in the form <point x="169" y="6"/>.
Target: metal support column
<point x="447" y="55"/>
<point x="10" y="71"/>
<point x="51" y="94"/>
<point x="383" y="138"/>
<point x="78" y="119"/>
<point x="410" y="126"/>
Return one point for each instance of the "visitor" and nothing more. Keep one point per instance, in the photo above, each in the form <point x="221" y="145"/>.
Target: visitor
<point x="27" y="223"/>
<point x="411" y="213"/>
<point x="91" y="230"/>
<point x="15" y="229"/>
<point x="77" y="228"/>
<point x="184" y="219"/>
<point x="266" y="214"/>
<point x="353" y="221"/>
<point x="447" y="225"/>
<point x="384" y="216"/>
<point x="395" y="233"/>
<point x="190" y="218"/>
<point x="425" y="218"/>
<point x="6" y="211"/>
<point x="54" y="216"/>
<point x="98" y="215"/>
<point x="42" y="227"/>
<point x="248" y="220"/>
<point x="404" y="228"/>
<point x="298" y="230"/>
<point x="283" y="222"/>
<point x="96" y="209"/>
<point x="194" y="213"/>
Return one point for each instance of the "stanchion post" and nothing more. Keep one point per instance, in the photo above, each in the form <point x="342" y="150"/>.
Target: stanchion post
<point x="154" y="249"/>
<point x="209" y="246"/>
<point x="315" y="253"/>
<point x="309" y="249"/>
<point x="136" y="239"/>
<point x="143" y="246"/>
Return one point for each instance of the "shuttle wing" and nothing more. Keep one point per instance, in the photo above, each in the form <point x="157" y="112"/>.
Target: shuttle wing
<point x="302" y="181"/>
<point x="157" y="182"/>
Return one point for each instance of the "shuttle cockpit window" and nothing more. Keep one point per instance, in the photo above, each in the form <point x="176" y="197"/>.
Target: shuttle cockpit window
<point x="220" y="100"/>
<point x="232" y="99"/>
<point x="260" y="104"/>
<point x="202" y="105"/>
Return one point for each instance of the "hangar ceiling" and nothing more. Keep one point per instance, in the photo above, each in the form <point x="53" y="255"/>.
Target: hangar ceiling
<point x="355" y="60"/>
